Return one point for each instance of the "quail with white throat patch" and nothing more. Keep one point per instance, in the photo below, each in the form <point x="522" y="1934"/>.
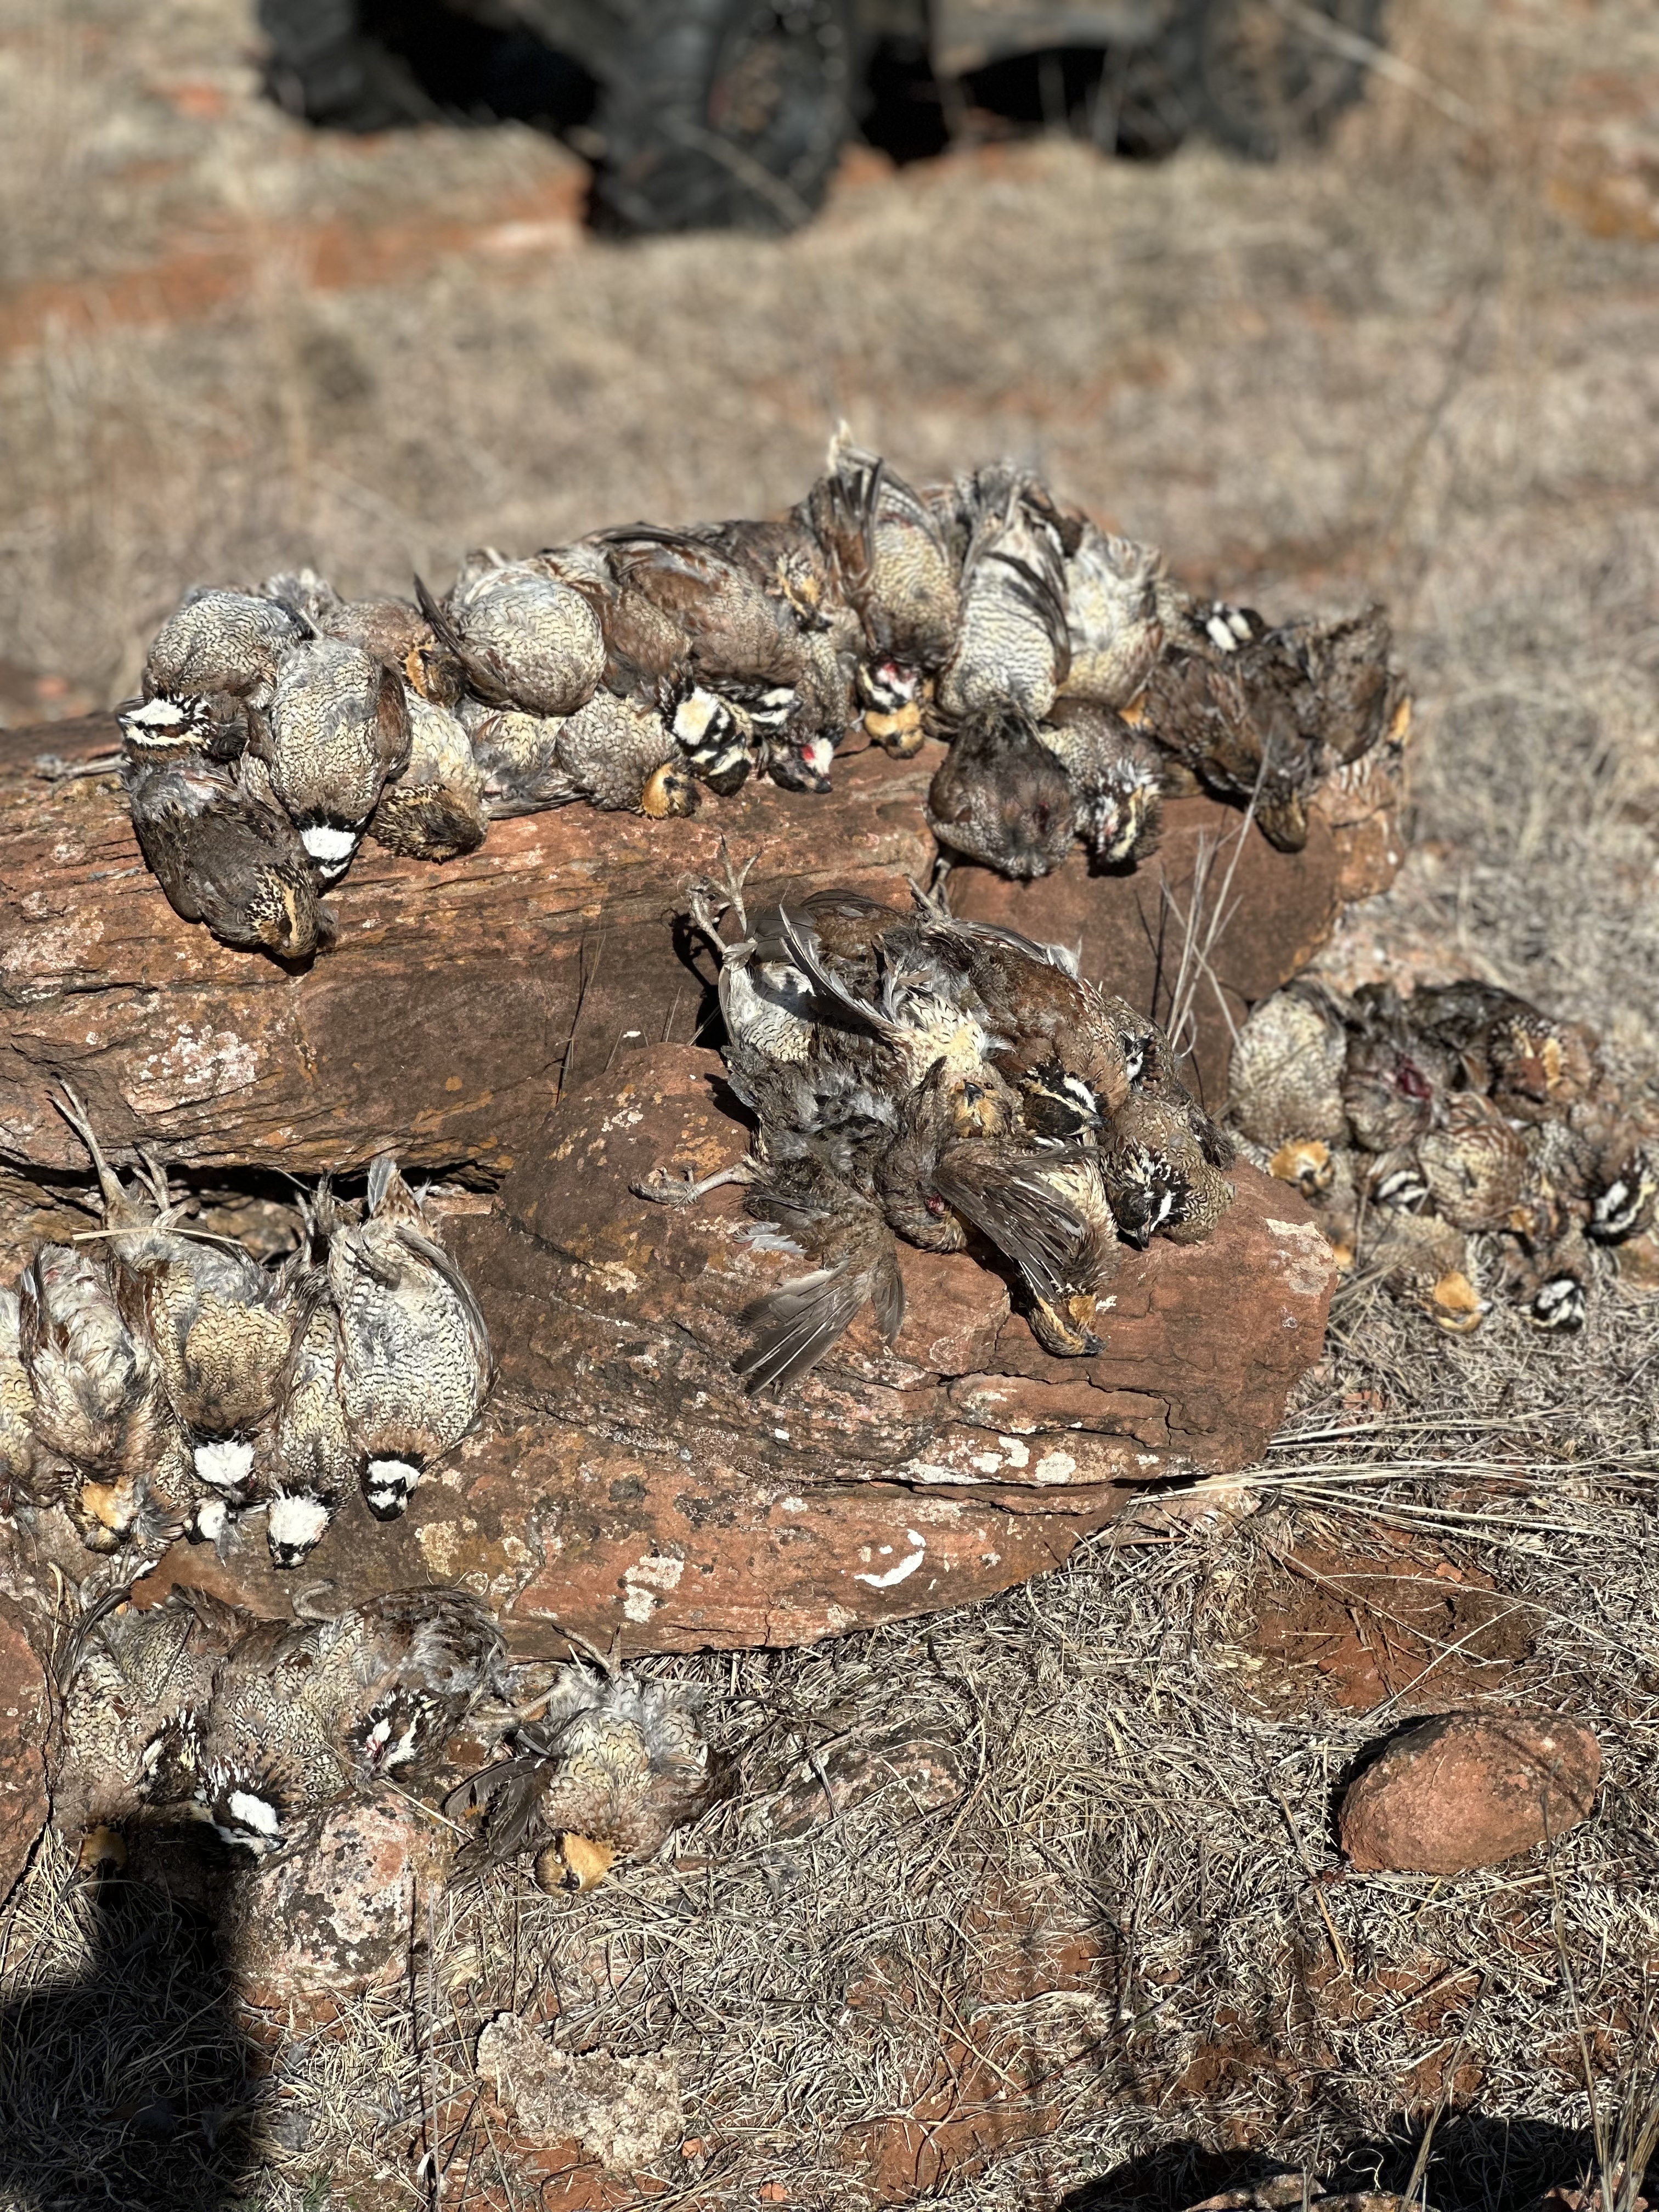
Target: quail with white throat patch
<point x="415" y="1352"/>
<point x="227" y="854"/>
<point x="338" y="730"/>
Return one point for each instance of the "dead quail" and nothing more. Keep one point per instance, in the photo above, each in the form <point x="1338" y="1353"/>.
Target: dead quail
<point x="843" y="1232"/>
<point x="1551" y="1284"/>
<point x="1418" y="1257"/>
<point x="1050" y="1212"/>
<point x="303" y="1711"/>
<point x="1474" y="1164"/>
<point x="338" y="731"/>
<point x="100" y="1401"/>
<point x="1262" y="714"/>
<point x="622" y="756"/>
<point x="1161" y="1178"/>
<point x="1285" y="1078"/>
<point x="527" y="633"/>
<point x="135" y="1690"/>
<point x="18" y="1449"/>
<point x="1116" y="777"/>
<point x="227" y="854"/>
<point x="1628" y="1190"/>
<point x="218" y="1323"/>
<point x="304" y="1457"/>
<point x="896" y="570"/>
<point x="1112" y="616"/>
<point x="1000" y="796"/>
<point x="607" y="1773"/>
<point x="394" y="631"/>
<point x="414" y="1351"/>
<point x="222" y="642"/>
<point x="434" y="808"/>
<point x="1395" y="1074"/>
<point x="1540" y="1069"/>
<point x="1012" y="646"/>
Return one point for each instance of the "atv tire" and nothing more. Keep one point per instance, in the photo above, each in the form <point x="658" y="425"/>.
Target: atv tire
<point x="724" y="114"/>
<point x="1263" y="78"/>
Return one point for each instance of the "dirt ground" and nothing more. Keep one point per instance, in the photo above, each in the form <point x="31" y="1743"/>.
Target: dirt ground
<point x="1422" y="365"/>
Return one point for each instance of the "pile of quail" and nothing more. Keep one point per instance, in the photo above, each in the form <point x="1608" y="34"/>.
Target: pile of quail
<point x="951" y="1084"/>
<point x="155" y="1379"/>
<point x="196" y="1711"/>
<point x="1454" y="1139"/>
<point x="1076" y="683"/>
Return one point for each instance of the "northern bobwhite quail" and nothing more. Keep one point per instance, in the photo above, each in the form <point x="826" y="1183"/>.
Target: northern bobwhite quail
<point x="528" y="633"/>
<point x="1002" y="796"/>
<point x="414" y="1351"/>
<point x="227" y="854"/>
<point x="1113" y="619"/>
<point x="607" y="1773"/>
<point x="434" y="808"/>
<point x="1117" y="778"/>
<point x="222" y="642"/>
<point x="1285" y="1083"/>
<point x="337" y="732"/>
<point x="1013" y="645"/>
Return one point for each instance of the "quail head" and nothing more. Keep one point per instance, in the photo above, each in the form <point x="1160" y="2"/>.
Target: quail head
<point x="100" y="1401"/>
<point x="222" y="642"/>
<point x="1627" y="1191"/>
<point x="1285" y="1078"/>
<point x="1116" y="776"/>
<point x="895" y="569"/>
<point x="1418" y="1257"/>
<point x="1540" y="1069"/>
<point x="219" y="1325"/>
<point x="1112" y="614"/>
<point x="528" y="633"/>
<point x="1162" y="1178"/>
<point x="606" y="1774"/>
<point x="415" y="1352"/>
<point x="1551" y="1284"/>
<point x="227" y="854"/>
<point x="1012" y="647"/>
<point x="338" y="730"/>
<point x="434" y="808"/>
<point x="1000" y="796"/>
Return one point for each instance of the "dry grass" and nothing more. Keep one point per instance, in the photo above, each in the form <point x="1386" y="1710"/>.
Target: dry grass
<point x="1392" y="370"/>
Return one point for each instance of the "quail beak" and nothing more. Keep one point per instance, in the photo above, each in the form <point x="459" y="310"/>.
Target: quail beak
<point x="102" y="1852"/>
<point x="670" y="792"/>
<point x="900" y="732"/>
<point x="1455" y="1304"/>
<point x="1064" y="1329"/>
<point x="574" y="1862"/>
<point x="1307" y="1164"/>
<point x="976" y="1112"/>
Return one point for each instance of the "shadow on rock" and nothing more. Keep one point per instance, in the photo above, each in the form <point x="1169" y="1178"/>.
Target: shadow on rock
<point x="122" y="2080"/>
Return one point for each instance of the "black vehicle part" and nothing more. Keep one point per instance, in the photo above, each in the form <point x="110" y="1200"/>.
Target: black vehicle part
<point x="1264" y="77"/>
<point x="374" y="64"/>
<point x="724" y="113"/>
<point x="325" y="67"/>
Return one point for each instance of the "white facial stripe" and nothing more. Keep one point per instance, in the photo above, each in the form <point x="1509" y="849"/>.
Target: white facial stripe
<point x="326" y="845"/>
<point x="694" y="717"/>
<point x="211" y="1515"/>
<point x="818" y="755"/>
<point x="226" y="1465"/>
<point x="295" y="1523"/>
<point x="254" y="1813"/>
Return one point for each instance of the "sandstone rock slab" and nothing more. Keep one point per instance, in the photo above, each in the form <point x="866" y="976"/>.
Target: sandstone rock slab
<point x="622" y="1480"/>
<point x="1467" y="1790"/>
<point x="463" y="997"/>
<point x="331" y="1917"/>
